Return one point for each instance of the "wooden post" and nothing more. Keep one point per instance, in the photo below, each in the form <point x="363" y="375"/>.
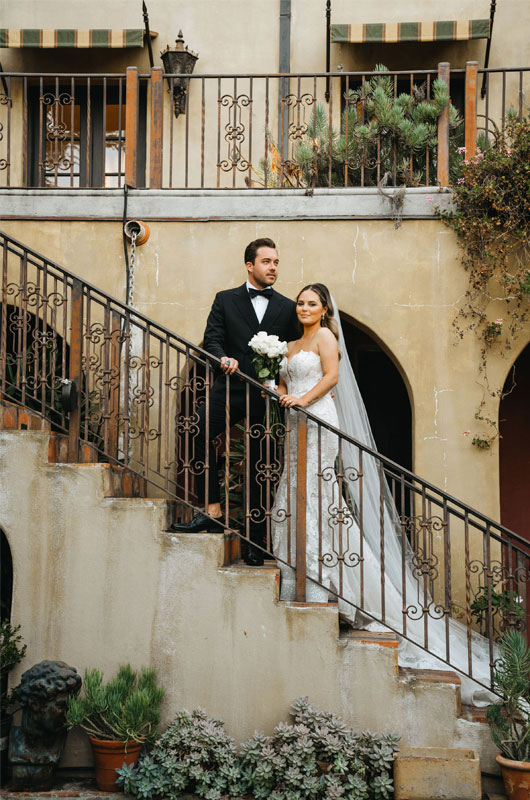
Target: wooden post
<point x="301" y="511"/>
<point x="114" y="384"/>
<point x="131" y="126"/>
<point x="443" y="130"/>
<point x="75" y="373"/>
<point x="157" y="113"/>
<point x="470" y="108"/>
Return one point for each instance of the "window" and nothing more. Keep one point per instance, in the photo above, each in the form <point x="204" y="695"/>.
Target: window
<point x="76" y="133"/>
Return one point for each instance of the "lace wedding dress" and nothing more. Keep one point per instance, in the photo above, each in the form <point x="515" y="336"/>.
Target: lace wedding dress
<point x="345" y="563"/>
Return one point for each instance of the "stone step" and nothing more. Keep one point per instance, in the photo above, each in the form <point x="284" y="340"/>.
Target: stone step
<point x="14" y="417"/>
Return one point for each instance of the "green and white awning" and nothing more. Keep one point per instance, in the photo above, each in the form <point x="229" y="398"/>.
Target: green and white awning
<point x="389" y="32"/>
<point x="72" y="37"/>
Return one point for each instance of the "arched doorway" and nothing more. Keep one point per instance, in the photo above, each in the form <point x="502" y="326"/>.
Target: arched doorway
<point x="6" y="586"/>
<point x="384" y="393"/>
<point x="514" y="446"/>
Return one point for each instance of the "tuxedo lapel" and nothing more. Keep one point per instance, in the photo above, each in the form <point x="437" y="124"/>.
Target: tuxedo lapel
<point x="271" y="314"/>
<point x="245" y="307"/>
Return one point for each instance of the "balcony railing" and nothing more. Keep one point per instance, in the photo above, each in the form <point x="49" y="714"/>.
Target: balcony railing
<point x="141" y="392"/>
<point x="241" y="131"/>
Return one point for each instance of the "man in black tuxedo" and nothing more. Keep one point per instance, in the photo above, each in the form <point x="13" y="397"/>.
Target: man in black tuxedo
<point x="236" y="315"/>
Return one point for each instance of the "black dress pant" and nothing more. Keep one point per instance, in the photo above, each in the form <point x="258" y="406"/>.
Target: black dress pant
<point x="258" y="491"/>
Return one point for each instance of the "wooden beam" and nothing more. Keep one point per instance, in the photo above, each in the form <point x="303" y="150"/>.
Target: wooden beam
<point x="301" y="510"/>
<point x="74" y="372"/>
<point x="131" y="126"/>
<point x="444" y="71"/>
<point x="156" y="138"/>
<point x="470" y="108"/>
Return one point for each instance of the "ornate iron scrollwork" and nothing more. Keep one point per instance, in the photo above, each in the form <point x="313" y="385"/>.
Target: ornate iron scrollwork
<point x="235" y="132"/>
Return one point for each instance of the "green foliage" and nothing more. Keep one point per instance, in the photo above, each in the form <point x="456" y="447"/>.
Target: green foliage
<point x="127" y="707"/>
<point x="492" y="221"/>
<point x="506" y="608"/>
<point x="195" y="754"/>
<point x="491" y="218"/>
<point x="382" y="138"/>
<point x="509" y="719"/>
<point x="318" y="757"/>
<point x="11" y="653"/>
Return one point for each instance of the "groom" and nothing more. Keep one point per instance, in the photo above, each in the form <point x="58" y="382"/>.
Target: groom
<point x="236" y="315"/>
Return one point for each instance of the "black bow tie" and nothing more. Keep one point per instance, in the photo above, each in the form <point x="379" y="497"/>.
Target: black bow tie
<point x="260" y="292"/>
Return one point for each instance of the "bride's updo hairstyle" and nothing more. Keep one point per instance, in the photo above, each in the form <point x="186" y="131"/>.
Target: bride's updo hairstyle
<point x="328" y="319"/>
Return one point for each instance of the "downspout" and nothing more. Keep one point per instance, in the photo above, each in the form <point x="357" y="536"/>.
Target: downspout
<point x="284" y="67"/>
<point x="488" y="45"/>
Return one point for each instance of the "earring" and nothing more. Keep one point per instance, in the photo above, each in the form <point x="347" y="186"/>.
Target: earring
<point x="322" y="319"/>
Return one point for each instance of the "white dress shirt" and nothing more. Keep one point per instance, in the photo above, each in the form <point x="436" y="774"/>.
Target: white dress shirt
<point x="260" y="303"/>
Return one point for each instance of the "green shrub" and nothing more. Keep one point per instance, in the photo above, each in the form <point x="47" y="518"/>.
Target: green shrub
<point x="509" y="719"/>
<point x="316" y="758"/>
<point x="11" y="654"/>
<point x="195" y="754"/>
<point x="128" y="707"/>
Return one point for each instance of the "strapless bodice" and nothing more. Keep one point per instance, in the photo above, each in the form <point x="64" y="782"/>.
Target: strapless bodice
<point x="300" y="373"/>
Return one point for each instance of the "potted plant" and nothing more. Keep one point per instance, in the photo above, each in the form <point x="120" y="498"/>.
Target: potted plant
<point x="509" y="719"/>
<point x="11" y="654"/>
<point x="119" y="717"/>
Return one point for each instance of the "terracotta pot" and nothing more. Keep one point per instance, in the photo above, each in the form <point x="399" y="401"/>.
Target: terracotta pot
<point x="516" y="777"/>
<point x="109" y="756"/>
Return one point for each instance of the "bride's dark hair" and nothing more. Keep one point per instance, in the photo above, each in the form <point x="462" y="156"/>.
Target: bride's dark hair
<point x="328" y="320"/>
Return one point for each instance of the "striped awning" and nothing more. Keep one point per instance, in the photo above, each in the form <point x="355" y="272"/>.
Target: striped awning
<point x="71" y="37"/>
<point x="388" y="32"/>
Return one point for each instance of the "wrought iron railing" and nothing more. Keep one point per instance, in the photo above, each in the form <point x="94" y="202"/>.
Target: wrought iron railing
<point x="141" y="392"/>
<point x="265" y="131"/>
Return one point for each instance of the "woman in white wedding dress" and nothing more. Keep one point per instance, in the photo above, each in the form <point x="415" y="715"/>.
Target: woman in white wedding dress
<point x="343" y="557"/>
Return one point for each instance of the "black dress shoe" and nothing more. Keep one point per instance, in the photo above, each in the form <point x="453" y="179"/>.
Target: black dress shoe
<point x="199" y="524"/>
<point x="252" y="556"/>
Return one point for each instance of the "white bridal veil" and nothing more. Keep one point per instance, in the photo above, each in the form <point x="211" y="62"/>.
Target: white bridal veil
<point x="395" y="591"/>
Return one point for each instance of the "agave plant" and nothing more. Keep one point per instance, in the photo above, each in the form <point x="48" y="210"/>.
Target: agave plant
<point x="509" y="719"/>
<point x="126" y="708"/>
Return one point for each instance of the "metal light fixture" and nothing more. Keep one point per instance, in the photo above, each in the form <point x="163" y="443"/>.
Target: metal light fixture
<point x="179" y="60"/>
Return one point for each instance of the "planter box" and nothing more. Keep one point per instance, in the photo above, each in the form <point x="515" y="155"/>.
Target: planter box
<point x="421" y="773"/>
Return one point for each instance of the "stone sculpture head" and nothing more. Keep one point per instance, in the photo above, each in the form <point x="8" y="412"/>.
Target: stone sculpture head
<point x="43" y="693"/>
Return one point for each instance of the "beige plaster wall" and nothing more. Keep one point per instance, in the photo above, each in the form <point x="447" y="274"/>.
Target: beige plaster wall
<point x="98" y="582"/>
<point x="242" y="35"/>
<point x="405" y="286"/>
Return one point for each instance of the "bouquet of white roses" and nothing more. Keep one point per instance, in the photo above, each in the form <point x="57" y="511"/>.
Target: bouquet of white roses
<point x="268" y="352"/>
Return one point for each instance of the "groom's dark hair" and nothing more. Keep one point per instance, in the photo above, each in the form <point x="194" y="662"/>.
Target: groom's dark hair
<point x="252" y="248"/>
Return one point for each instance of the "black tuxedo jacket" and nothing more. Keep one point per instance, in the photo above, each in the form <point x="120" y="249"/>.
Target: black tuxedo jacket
<point x="232" y="323"/>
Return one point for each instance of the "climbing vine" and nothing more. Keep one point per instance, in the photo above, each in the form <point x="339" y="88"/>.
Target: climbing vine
<point x="491" y="218"/>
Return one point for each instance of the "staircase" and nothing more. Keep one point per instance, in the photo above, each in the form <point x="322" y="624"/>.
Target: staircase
<point x="99" y="581"/>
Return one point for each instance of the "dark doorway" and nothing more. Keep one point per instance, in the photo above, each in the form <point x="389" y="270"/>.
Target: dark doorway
<point x="6" y="586"/>
<point x="384" y="393"/>
<point x="514" y="449"/>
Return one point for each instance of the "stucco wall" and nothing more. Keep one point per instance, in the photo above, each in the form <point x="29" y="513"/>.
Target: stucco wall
<point x="404" y="286"/>
<point x="98" y="582"/>
<point x="242" y="35"/>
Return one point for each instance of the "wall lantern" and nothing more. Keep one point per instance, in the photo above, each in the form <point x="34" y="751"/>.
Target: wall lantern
<point x="179" y="60"/>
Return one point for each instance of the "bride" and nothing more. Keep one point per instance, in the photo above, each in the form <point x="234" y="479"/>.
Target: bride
<point x="354" y="547"/>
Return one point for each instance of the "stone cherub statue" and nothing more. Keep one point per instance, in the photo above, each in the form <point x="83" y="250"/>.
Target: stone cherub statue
<point x="35" y="746"/>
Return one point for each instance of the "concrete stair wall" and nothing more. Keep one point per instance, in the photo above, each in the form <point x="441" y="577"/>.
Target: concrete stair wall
<point x="99" y="581"/>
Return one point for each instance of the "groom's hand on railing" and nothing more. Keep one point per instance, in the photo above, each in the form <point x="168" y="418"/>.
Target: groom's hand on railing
<point x="229" y="365"/>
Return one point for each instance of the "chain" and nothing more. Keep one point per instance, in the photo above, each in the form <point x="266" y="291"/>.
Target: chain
<point x="132" y="259"/>
<point x="130" y="298"/>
